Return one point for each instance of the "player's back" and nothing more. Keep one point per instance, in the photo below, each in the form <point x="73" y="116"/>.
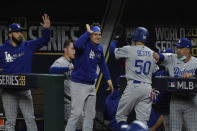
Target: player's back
<point x="140" y="64"/>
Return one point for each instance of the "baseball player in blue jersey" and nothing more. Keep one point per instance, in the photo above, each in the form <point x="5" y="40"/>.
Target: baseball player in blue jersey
<point x="16" y="57"/>
<point x="182" y="64"/>
<point x="89" y="55"/>
<point x="140" y="65"/>
<point x="64" y="65"/>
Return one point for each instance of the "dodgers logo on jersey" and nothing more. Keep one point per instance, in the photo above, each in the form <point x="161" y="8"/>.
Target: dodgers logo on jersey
<point x="8" y="57"/>
<point x="92" y="54"/>
<point x="179" y="73"/>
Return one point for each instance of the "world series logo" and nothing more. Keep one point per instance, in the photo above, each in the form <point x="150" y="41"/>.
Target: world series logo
<point x="22" y="80"/>
<point x="12" y="80"/>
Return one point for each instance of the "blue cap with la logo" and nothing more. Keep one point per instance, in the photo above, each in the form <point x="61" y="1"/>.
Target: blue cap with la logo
<point x="15" y="28"/>
<point x="184" y="43"/>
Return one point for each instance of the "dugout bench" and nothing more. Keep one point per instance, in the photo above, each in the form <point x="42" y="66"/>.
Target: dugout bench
<point x="53" y="95"/>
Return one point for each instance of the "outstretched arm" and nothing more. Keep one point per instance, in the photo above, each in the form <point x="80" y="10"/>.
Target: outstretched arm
<point x="157" y="124"/>
<point x="105" y="71"/>
<point x="60" y="70"/>
<point x="158" y="57"/>
<point x="81" y="42"/>
<point x="44" y="39"/>
<point x="112" y="47"/>
<point x="122" y="52"/>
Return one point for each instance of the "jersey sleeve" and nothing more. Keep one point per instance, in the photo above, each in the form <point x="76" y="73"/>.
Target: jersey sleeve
<point x="38" y="43"/>
<point x="81" y="42"/>
<point x="122" y="52"/>
<point x="155" y="67"/>
<point x="58" y="68"/>
<point x="112" y="47"/>
<point x="167" y="58"/>
<point x="104" y="69"/>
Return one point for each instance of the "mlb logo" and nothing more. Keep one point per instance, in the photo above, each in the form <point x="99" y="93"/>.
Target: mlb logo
<point x="172" y="84"/>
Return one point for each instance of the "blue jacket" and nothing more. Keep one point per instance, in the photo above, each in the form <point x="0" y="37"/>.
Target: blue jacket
<point x="19" y="59"/>
<point x="87" y="58"/>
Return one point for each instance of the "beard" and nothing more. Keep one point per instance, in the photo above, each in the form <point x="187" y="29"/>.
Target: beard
<point x="18" y="42"/>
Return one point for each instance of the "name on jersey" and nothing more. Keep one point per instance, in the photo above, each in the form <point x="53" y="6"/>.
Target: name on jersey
<point x="178" y="72"/>
<point x="16" y="80"/>
<point x="143" y="53"/>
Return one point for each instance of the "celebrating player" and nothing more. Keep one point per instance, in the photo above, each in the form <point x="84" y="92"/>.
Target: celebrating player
<point x="16" y="57"/>
<point x="140" y="65"/>
<point x="89" y="54"/>
<point x="182" y="64"/>
<point x="63" y="65"/>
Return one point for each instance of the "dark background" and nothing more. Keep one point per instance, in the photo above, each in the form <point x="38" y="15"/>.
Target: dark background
<point x="136" y="11"/>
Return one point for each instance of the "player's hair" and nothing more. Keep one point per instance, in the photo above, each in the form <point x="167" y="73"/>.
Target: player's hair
<point x="96" y="24"/>
<point x="67" y="43"/>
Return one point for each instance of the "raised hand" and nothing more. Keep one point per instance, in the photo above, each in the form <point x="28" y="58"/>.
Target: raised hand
<point x="156" y="56"/>
<point x="46" y="21"/>
<point x="71" y="68"/>
<point x="88" y="28"/>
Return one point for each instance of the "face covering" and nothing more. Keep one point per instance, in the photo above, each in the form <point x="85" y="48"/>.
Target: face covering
<point x="182" y="58"/>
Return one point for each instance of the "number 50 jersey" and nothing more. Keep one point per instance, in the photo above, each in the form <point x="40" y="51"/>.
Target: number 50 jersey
<point x="140" y="63"/>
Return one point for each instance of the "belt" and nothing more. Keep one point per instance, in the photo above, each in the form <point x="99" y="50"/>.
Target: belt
<point x="136" y="82"/>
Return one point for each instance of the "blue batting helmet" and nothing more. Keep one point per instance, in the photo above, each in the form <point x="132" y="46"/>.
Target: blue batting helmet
<point x="138" y="126"/>
<point x="15" y="28"/>
<point x="141" y="34"/>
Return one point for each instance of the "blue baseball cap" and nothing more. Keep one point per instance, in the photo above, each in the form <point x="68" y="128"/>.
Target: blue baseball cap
<point x="96" y="29"/>
<point x="184" y="43"/>
<point x="166" y="50"/>
<point x="15" y="28"/>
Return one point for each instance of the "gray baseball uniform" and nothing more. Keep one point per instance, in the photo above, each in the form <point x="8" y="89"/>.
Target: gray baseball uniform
<point x="140" y="65"/>
<point x="63" y="62"/>
<point x="12" y="99"/>
<point x="181" y="110"/>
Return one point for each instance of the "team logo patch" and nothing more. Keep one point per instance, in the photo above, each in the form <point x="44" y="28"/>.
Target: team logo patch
<point x="92" y="54"/>
<point x="8" y="57"/>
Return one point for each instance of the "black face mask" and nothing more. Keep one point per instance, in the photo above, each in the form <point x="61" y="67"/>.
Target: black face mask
<point x="18" y="42"/>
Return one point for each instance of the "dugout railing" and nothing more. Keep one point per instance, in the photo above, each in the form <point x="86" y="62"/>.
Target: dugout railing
<point x="53" y="88"/>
